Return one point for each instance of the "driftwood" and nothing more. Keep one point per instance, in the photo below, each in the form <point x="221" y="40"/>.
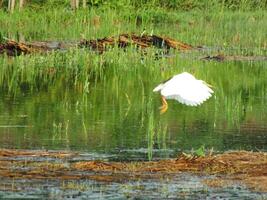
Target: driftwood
<point x="143" y="41"/>
<point x="13" y="48"/>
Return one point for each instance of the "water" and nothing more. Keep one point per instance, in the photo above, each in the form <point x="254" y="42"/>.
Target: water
<point x="152" y="186"/>
<point x="183" y="186"/>
<point x="117" y="118"/>
<point x="119" y="114"/>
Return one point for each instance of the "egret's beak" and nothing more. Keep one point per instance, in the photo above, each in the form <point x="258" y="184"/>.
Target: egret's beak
<point x="164" y="106"/>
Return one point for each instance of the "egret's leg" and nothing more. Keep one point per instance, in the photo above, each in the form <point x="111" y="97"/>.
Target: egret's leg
<point x="164" y="106"/>
<point x="164" y="102"/>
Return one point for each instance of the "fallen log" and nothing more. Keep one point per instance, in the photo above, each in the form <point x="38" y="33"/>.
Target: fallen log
<point x="13" y="48"/>
<point x="142" y="41"/>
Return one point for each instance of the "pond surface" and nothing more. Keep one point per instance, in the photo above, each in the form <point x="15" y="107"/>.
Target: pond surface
<point x="184" y="186"/>
<point x="118" y="116"/>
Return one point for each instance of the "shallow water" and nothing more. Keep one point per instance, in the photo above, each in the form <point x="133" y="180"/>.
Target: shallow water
<point x="59" y="185"/>
<point x="182" y="186"/>
<point x="120" y="116"/>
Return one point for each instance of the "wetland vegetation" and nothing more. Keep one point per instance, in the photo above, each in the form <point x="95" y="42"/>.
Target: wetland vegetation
<point x="100" y="106"/>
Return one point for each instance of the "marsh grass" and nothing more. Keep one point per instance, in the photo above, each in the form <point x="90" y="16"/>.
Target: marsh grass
<point x="224" y="32"/>
<point x="106" y="101"/>
<point x="223" y="28"/>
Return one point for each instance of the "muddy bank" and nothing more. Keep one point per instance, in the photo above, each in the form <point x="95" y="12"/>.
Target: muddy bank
<point x="243" y="167"/>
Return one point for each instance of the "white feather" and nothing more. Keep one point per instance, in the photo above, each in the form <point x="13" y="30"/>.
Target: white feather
<point x="158" y="88"/>
<point x="186" y="89"/>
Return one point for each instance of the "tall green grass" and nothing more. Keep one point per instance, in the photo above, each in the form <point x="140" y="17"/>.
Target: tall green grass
<point x="223" y="28"/>
<point x="101" y="102"/>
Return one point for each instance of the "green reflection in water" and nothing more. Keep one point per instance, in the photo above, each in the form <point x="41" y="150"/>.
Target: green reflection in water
<point x="104" y="103"/>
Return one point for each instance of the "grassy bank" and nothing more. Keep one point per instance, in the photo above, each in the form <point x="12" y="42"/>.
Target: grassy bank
<point x="214" y="28"/>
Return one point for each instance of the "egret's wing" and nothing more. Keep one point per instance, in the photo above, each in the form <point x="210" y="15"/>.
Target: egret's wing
<point x="191" y="92"/>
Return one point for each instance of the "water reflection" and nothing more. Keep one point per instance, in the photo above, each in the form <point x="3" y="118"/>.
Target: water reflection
<point x="119" y="113"/>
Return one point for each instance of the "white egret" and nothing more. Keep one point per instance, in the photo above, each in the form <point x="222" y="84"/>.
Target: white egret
<point x="184" y="88"/>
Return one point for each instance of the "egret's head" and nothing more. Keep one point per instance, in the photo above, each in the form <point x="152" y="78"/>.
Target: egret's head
<point x="158" y="88"/>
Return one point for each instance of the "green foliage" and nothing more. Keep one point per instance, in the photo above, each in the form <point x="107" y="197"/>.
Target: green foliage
<point x="184" y="5"/>
<point x="200" y="151"/>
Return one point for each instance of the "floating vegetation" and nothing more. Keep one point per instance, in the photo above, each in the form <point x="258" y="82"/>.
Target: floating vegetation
<point x="249" y="168"/>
